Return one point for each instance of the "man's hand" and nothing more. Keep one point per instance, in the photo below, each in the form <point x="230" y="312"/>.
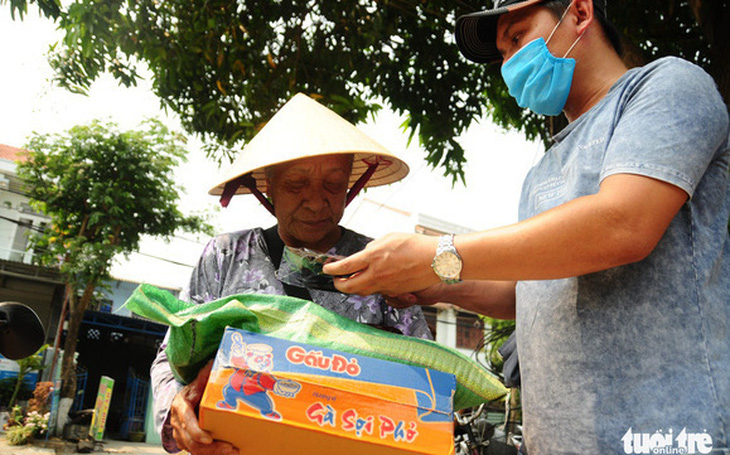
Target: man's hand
<point x="392" y="265"/>
<point x="184" y="420"/>
<point x="429" y="296"/>
<point x="495" y="299"/>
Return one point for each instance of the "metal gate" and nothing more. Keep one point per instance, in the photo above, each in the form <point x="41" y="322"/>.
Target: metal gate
<point x="135" y="408"/>
<point x="81" y="377"/>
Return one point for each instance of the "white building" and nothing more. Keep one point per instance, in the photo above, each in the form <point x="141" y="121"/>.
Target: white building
<point x="20" y="281"/>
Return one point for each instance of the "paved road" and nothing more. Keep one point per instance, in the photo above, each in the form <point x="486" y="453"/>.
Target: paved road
<point x="107" y="446"/>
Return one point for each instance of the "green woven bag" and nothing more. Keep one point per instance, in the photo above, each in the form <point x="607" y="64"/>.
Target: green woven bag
<point x="196" y="332"/>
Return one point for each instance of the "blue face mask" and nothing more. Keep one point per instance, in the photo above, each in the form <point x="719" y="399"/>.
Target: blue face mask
<point x="537" y="79"/>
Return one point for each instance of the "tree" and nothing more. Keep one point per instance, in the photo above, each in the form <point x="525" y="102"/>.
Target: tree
<point x="225" y="67"/>
<point x="102" y="190"/>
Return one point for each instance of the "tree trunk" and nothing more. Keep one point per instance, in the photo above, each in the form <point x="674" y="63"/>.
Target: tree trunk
<point x="68" y="370"/>
<point x="64" y="406"/>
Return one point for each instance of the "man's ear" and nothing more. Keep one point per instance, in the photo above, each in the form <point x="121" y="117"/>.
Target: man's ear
<point x="584" y="14"/>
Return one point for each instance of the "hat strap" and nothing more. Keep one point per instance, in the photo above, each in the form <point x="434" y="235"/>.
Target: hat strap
<point x="362" y="181"/>
<point x="249" y="182"/>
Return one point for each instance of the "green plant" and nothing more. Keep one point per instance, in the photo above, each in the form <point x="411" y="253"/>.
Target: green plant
<point x="40" y="402"/>
<point x="15" y="418"/>
<point x="224" y="67"/>
<point x="7" y="387"/>
<point x="18" y="435"/>
<point x="498" y="332"/>
<point x="28" y="364"/>
<point x="37" y="421"/>
<point x="34" y="424"/>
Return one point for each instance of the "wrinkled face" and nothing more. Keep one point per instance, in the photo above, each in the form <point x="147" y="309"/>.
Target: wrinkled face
<point x="309" y="199"/>
<point x="518" y="28"/>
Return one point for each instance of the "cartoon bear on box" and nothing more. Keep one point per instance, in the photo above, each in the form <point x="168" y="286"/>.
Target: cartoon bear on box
<point x="251" y="381"/>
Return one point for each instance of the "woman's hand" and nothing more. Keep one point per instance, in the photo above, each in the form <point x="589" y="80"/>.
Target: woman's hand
<point x="184" y="420"/>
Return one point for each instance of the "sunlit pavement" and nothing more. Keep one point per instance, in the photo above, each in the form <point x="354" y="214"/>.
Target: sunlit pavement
<point x="60" y="447"/>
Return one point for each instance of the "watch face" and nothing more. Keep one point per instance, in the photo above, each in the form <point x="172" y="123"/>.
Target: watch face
<point x="448" y="265"/>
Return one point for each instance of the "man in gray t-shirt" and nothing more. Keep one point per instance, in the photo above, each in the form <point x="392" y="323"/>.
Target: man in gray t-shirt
<point x="643" y="347"/>
<point x="618" y="272"/>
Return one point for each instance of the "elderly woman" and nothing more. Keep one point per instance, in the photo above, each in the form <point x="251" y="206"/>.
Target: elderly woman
<point x="310" y="163"/>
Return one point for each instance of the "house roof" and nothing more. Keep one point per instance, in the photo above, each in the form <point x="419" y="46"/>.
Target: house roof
<point x="10" y="153"/>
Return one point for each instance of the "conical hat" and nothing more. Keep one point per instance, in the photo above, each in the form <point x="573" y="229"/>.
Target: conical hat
<point x="304" y="128"/>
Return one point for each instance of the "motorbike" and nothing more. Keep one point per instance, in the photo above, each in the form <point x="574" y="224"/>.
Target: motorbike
<point x="475" y="435"/>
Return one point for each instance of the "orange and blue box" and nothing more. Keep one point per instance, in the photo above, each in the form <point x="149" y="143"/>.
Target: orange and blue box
<point x="267" y="395"/>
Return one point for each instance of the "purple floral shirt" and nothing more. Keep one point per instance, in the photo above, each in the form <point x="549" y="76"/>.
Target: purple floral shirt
<point x="239" y="263"/>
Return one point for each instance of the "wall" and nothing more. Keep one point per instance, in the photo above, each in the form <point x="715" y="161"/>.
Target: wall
<point x="14" y="209"/>
<point x="121" y="290"/>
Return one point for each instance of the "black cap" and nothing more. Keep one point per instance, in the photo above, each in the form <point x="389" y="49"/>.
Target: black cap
<point x="476" y="33"/>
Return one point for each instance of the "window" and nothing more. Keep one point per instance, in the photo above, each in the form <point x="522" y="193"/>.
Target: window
<point x="20" y="241"/>
<point x="469" y="330"/>
<point x="104" y="305"/>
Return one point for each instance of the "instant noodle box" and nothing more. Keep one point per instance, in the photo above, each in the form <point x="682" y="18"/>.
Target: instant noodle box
<point x="267" y="395"/>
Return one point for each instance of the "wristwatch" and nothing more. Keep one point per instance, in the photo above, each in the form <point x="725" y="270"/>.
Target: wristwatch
<point x="447" y="262"/>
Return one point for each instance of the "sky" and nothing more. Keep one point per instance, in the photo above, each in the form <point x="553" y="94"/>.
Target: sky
<point x="497" y="161"/>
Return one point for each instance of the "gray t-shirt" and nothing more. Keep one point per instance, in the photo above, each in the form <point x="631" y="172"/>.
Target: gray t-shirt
<point x="611" y="358"/>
